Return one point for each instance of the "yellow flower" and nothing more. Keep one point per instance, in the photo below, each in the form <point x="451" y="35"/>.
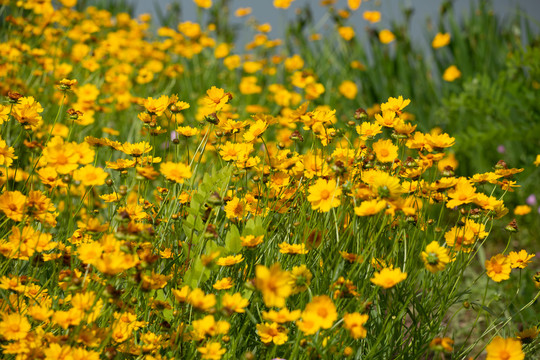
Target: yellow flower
<point x="282" y="4"/>
<point x="440" y="40"/>
<point x="354" y="4"/>
<point x="519" y="260"/>
<point x="463" y="193"/>
<point x="282" y="316"/>
<point x="216" y="98"/>
<point x="212" y="351"/>
<point x="203" y="3"/>
<point x="504" y="349"/>
<point x="235" y="209"/>
<point x="372" y="16"/>
<point x="354" y="322"/>
<point x="242" y="12"/>
<point x="230" y="260"/>
<point x="323" y="307"/>
<point x="324" y="195"/>
<point x="537" y="160"/>
<point x="385" y="151"/>
<point x="274" y="284"/>
<point x="310" y="323"/>
<point x="522" y="210"/>
<point x="12" y="204"/>
<point x="387" y="277"/>
<point x="272" y="333"/>
<point x="251" y="241"/>
<point x="223" y="284"/>
<point x="435" y="257"/>
<point x="14" y="327"/>
<point x="234" y="303"/>
<point x="368" y="130"/>
<point x="156" y="106"/>
<point x="176" y="172"/>
<point x="255" y="130"/>
<point x="348" y="89"/>
<point x="346" y="32"/>
<point x="7" y="154"/>
<point x="498" y="268"/>
<point x="286" y="248"/>
<point x="370" y="207"/>
<point x="90" y="175"/>
<point x="386" y="36"/>
<point x="451" y="73"/>
<point x="200" y="300"/>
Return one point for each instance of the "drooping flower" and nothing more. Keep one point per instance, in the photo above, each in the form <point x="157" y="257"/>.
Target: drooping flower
<point x="435" y="257"/>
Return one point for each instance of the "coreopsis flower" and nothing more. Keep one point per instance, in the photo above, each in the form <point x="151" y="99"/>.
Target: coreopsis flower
<point x="300" y="278"/>
<point x="14" y="326"/>
<point x="177" y="172"/>
<point x="205" y="4"/>
<point x="451" y="73"/>
<point x="519" y="260"/>
<point x="323" y="307"/>
<point x="251" y="241"/>
<point x="234" y="303"/>
<point x="223" y="284"/>
<point x="537" y="160"/>
<point x="4" y="113"/>
<point x="216" y="99"/>
<point x="441" y="344"/>
<point x="383" y="184"/>
<point x="182" y="294"/>
<point x="282" y="4"/>
<point x="230" y="260"/>
<point x="504" y="349"/>
<point x="324" y="195"/>
<point x="187" y="131"/>
<point x="286" y="248"/>
<point x="440" y="40"/>
<point x="372" y="16"/>
<point x="255" y="130"/>
<point x="240" y="12"/>
<point x="235" y="209"/>
<point x="208" y="326"/>
<point x="388" y="277"/>
<point x="395" y="104"/>
<point x="12" y="203"/>
<point x="463" y="193"/>
<point x="346" y="32"/>
<point x="354" y="4"/>
<point x="354" y="322"/>
<point x="90" y="176"/>
<point x="200" y="300"/>
<point x="518" y="210"/>
<point x="528" y="335"/>
<point x="370" y="207"/>
<point x="212" y="351"/>
<point x="309" y="324"/>
<point x="385" y="151"/>
<point x="498" y="268"/>
<point x="156" y="106"/>
<point x="386" y="36"/>
<point x="274" y="283"/>
<point x="7" y="154"/>
<point x="26" y="111"/>
<point x="348" y="89"/>
<point x="435" y="257"/>
<point x="137" y="149"/>
<point x="272" y="333"/>
<point x="440" y="141"/>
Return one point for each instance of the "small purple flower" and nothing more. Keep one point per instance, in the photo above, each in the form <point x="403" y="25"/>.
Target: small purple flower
<point x="531" y="200"/>
<point x="501" y="149"/>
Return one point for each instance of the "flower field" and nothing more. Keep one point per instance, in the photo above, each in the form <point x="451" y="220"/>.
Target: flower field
<point x="167" y="192"/>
